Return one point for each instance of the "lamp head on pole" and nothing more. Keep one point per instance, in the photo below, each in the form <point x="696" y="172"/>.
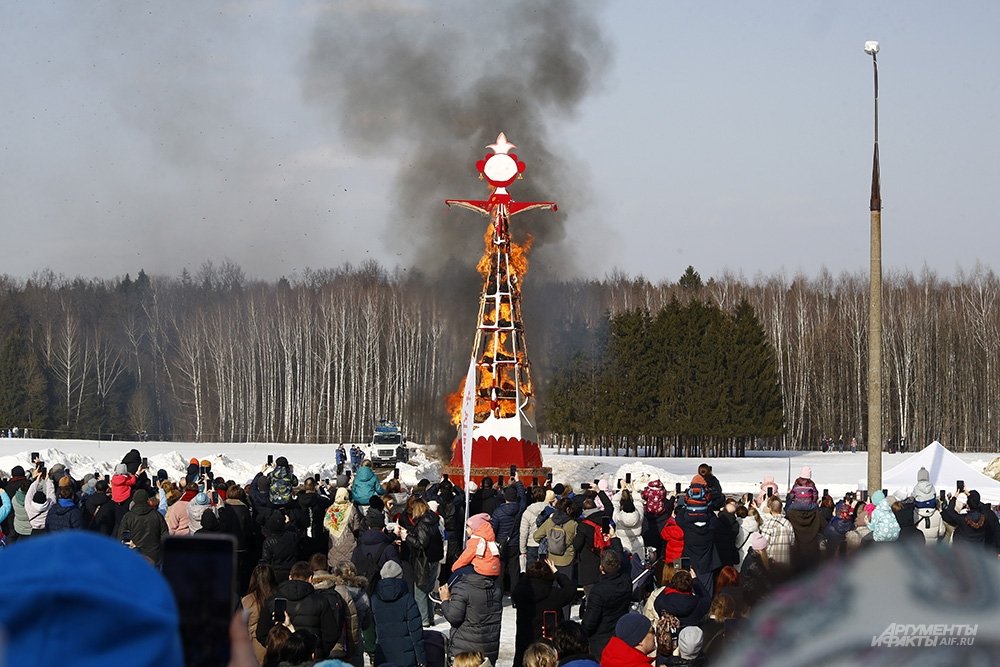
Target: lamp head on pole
<point x="871" y="48"/>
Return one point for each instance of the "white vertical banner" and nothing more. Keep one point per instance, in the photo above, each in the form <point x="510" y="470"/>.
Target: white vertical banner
<point x="468" y="419"/>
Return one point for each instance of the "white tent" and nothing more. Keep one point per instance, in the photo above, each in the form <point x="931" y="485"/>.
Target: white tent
<point x="945" y="470"/>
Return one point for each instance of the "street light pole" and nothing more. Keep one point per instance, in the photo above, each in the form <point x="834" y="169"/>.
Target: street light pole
<point x="875" y="309"/>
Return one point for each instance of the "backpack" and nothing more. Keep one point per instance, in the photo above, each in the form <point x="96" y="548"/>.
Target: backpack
<point x="845" y="512"/>
<point x="280" y="492"/>
<point x="804" y="495"/>
<point x="600" y="542"/>
<point x="555" y="538"/>
<point x="698" y="495"/>
<point x="435" y="548"/>
<point x="342" y="619"/>
<point x="370" y="569"/>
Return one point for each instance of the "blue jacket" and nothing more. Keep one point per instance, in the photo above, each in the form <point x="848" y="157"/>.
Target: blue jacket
<point x="397" y="624"/>
<point x="506" y="518"/>
<point x="64" y="515"/>
<point x="365" y="486"/>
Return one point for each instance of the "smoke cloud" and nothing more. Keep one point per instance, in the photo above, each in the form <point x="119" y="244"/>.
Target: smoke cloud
<point x="431" y="85"/>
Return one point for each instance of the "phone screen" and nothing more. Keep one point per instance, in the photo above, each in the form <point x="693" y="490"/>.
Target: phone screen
<point x="513" y="470"/>
<point x="770" y="491"/>
<point x="606" y="523"/>
<point x="395" y="473"/>
<point x="628" y="478"/>
<point x="201" y="571"/>
<point x="270" y="459"/>
<point x="685" y="563"/>
<point x="499" y="480"/>
<point x="280" y="607"/>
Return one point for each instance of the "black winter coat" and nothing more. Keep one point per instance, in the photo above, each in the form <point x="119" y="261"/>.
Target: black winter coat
<point x="312" y="507"/>
<point x="61" y="517"/>
<point x="484" y="500"/>
<point x="418" y="538"/>
<point x="99" y="514"/>
<point x="397" y="625"/>
<point x="699" y="540"/>
<point x="506" y="518"/>
<point x="132" y="461"/>
<point x="375" y="548"/>
<point x="280" y="551"/>
<point x="533" y="597"/>
<point x="971" y="527"/>
<point x="474" y="612"/>
<point x="148" y="528"/>
<point x="608" y="601"/>
<point x="588" y="560"/>
<point x="307" y="610"/>
<point x="235" y="520"/>
<point x="726" y="530"/>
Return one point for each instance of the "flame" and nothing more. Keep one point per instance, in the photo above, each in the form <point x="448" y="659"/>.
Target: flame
<point x="504" y="261"/>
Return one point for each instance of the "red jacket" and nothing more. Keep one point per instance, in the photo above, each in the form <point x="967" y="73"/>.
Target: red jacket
<point x="121" y="487"/>
<point x="619" y="654"/>
<point x="673" y="538"/>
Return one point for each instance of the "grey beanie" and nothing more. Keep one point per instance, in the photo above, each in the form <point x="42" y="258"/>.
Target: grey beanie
<point x="923" y="475"/>
<point x="689" y="641"/>
<point x="391" y="570"/>
<point x="121" y="469"/>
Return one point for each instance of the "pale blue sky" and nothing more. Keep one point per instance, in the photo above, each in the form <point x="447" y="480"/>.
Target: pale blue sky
<point x="728" y="135"/>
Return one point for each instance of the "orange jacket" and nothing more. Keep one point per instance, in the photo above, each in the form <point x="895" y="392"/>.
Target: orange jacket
<point x="482" y="552"/>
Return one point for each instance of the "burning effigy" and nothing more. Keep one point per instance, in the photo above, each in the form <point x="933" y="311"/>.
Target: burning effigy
<point x="503" y="431"/>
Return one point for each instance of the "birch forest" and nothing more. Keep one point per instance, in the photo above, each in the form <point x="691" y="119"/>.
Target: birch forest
<point x="218" y="356"/>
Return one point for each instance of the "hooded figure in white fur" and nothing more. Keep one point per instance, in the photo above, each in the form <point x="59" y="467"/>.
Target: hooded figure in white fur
<point x="926" y="510"/>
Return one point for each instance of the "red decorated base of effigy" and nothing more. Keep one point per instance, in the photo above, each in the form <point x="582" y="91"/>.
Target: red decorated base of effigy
<point x="493" y="457"/>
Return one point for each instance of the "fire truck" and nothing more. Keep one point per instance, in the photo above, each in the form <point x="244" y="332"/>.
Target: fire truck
<point x="388" y="445"/>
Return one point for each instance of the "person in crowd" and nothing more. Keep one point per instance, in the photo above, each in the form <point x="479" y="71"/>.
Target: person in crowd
<point x="572" y="646"/>
<point x="235" y="519"/>
<point x="631" y="644"/>
<point x="473" y="608"/>
<point x="755" y="575"/>
<point x="838" y="526"/>
<point x="539" y="598"/>
<point x="274" y="648"/>
<point x="558" y="531"/>
<point x="883" y="522"/>
<point x="727" y="533"/>
<point x="779" y="533"/>
<point x="540" y="654"/>
<point x="281" y="545"/>
<point x="64" y="514"/>
<point x="122" y="483"/>
<point x="349" y="647"/>
<point x="506" y="520"/>
<point x="423" y="549"/>
<point x="966" y="513"/>
<point x="716" y="499"/>
<point x="346" y="578"/>
<point x="589" y="543"/>
<point x="927" y="509"/>
<point x="177" y="513"/>
<point x="763" y="496"/>
<point x="627" y="518"/>
<point x="861" y="534"/>
<point x="905" y="515"/>
<point x="471" y="659"/>
<point x="688" y="652"/>
<point x="262" y="587"/>
<point x="306" y="609"/>
<point x="481" y="550"/>
<point x="701" y="527"/>
<point x="39" y="499"/>
<point x="143" y="527"/>
<point x="312" y="507"/>
<point x="609" y="598"/>
<point x="196" y="509"/>
<point x="485" y="499"/>
<point x="749" y="523"/>
<point x="18" y="482"/>
<point x="657" y="509"/>
<point x="397" y="620"/>
<point x="685" y="597"/>
<point x="542" y="499"/>
<point x="802" y="512"/>
<point x="365" y="485"/>
<point x="375" y="547"/>
<point x="21" y="522"/>
<point x="343" y="524"/>
<point x="723" y="610"/>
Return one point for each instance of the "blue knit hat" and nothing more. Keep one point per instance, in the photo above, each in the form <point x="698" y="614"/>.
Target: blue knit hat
<point x="94" y="616"/>
<point x="632" y="628"/>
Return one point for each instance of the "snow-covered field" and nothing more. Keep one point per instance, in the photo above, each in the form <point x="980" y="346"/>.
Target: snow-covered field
<point x="838" y="472"/>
